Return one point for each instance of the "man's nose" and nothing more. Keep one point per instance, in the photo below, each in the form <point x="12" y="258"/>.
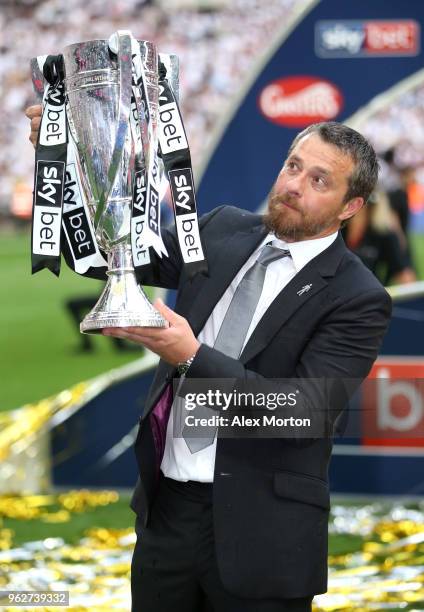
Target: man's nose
<point x="295" y="185"/>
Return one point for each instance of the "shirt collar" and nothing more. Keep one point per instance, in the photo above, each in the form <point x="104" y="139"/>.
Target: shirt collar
<point x="302" y="252"/>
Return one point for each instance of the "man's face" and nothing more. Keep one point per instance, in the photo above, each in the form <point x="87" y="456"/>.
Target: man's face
<point x="307" y="199"/>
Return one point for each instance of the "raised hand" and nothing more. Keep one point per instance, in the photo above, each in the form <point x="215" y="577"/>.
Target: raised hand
<point x="34" y="113"/>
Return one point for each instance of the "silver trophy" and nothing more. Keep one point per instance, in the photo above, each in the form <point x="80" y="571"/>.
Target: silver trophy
<point x="98" y="84"/>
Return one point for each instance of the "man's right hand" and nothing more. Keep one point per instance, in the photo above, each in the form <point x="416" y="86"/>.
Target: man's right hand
<point x="34" y="113"/>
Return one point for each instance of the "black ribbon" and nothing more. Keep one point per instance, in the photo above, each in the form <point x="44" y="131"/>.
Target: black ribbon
<point x="54" y="69"/>
<point x="139" y="189"/>
<point x="79" y="241"/>
<point x="176" y="157"/>
<point x="50" y="167"/>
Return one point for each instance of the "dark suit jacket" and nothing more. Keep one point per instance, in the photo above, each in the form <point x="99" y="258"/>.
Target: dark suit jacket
<point x="271" y="497"/>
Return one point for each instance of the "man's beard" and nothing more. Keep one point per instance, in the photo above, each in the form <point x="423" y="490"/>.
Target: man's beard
<point x="289" y="225"/>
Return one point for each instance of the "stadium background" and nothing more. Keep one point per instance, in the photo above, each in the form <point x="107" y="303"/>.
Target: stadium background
<point x="69" y="415"/>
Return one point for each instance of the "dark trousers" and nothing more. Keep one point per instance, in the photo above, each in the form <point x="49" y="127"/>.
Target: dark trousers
<point x="174" y="566"/>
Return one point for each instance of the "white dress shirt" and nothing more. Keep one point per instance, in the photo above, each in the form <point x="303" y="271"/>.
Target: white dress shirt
<point x="178" y="462"/>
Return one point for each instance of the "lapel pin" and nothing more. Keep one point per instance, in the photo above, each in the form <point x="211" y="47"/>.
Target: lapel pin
<point x="304" y="289"/>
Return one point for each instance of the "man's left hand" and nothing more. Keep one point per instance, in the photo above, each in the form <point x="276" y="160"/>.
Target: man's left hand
<point x="34" y="113"/>
<point x="174" y="344"/>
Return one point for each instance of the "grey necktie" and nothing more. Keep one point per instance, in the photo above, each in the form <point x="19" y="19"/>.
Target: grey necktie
<point x="233" y="331"/>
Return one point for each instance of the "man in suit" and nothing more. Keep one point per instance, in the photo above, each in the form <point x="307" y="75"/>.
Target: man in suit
<point x="240" y="524"/>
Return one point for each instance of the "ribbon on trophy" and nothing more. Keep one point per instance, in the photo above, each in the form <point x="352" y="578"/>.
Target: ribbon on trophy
<point x="62" y="221"/>
<point x="145" y="213"/>
<point x="176" y="157"/>
<point x="77" y="240"/>
<point x="80" y="248"/>
<point x="50" y="165"/>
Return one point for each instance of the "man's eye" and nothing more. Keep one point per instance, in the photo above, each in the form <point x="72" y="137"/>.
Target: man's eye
<point x="319" y="180"/>
<point x="291" y="165"/>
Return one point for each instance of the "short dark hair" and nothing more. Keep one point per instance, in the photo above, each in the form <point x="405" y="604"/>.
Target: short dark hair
<point x="364" y="177"/>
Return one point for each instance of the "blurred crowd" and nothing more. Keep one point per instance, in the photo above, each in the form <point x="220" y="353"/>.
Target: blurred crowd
<point x="216" y="47"/>
<point x="380" y="235"/>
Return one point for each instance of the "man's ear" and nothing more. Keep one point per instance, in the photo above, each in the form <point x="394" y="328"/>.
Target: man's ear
<point x="351" y="208"/>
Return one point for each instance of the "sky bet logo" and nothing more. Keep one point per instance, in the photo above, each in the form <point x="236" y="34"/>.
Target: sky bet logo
<point x="373" y="38"/>
<point x="182" y="191"/>
<point x="49" y="183"/>
<point x="47" y="210"/>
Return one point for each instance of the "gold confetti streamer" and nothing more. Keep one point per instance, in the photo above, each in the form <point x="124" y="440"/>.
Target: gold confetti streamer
<point x="51" y="508"/>
<point x="19" y="427"/>
<point x="385" y="573"/>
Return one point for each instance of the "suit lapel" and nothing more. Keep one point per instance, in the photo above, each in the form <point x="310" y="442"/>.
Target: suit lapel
<point x="303" y="286"/>
<point x="292" y="297"/>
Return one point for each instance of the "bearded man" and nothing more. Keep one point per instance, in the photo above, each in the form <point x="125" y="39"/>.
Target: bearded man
<point x="240" y="524"/>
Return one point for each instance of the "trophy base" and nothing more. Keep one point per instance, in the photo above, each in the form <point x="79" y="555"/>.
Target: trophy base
<point x="123" y="303"/>
<point x="95" y="324"/>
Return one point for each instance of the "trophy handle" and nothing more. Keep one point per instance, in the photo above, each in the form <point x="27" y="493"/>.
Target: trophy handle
<point x="125" y="80"/>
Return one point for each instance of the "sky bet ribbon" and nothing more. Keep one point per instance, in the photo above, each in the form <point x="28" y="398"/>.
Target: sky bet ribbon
<point x="176" y="158"/>
<point x="50" y="164"/>
<point x="79" y="244"/>
<point x="145" y="214"/>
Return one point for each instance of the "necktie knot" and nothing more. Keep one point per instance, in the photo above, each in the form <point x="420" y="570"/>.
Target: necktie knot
<point x="270" y="253"/>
